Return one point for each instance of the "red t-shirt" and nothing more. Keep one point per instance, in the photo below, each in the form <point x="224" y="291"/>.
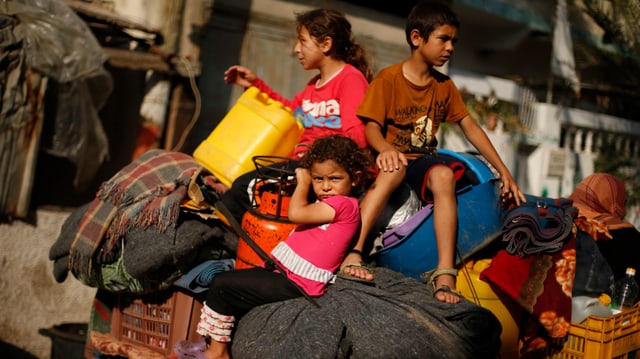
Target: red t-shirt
<point x="327" y="110"/>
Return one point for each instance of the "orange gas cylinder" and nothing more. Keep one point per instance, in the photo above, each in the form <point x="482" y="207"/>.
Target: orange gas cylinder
<point x="267" y="223"/>
<point x="266" y="231"/>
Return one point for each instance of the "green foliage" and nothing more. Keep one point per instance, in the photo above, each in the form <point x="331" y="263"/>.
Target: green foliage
<point x="620" y="21"/>
<point x="610" y="160"/>
<point x="481" y="108"/>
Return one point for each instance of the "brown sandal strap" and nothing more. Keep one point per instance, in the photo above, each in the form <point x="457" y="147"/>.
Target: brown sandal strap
<point x="443" y="271"/>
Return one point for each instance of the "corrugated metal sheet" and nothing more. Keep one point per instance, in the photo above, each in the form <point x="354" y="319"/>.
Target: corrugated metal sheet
<point x="102" y="14"/>
<point x="21" y="116"/>
<point x="154" y="58"/>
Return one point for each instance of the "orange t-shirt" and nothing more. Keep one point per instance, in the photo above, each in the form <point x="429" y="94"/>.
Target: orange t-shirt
<point x="410" y="115"/>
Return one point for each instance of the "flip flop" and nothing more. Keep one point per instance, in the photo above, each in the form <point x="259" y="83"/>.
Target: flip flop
<point x="345" y="276"/>
<point x="444" y="288"/>
<point x="190" y="350"/>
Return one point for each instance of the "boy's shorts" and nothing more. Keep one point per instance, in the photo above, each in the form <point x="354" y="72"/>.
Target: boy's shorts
<point x="418" y="172"/>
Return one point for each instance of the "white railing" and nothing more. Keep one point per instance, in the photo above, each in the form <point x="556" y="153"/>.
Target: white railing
<point x="579" y="130"/>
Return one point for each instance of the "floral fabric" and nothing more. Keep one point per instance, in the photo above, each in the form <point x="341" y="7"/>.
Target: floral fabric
<point x="542" y="285"/>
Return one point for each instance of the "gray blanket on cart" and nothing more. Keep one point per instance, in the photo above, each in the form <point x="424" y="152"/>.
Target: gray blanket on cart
<point x="398" y="318"/>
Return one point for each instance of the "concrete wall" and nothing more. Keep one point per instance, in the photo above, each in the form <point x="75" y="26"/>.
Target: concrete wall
<point x="30" y="297"/>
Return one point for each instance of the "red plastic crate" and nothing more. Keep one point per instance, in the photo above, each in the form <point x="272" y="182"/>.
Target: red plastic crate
<point x="156" y="321"/>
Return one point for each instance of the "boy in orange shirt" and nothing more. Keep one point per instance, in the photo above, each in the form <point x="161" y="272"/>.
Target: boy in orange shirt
<point x="402" y="109"/>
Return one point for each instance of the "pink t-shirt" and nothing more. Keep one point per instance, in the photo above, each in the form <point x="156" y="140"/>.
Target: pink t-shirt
<point x="312" y="253"/>
<point x="329" y="109"/>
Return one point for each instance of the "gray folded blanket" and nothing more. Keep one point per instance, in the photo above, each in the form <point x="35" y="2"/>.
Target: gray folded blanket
<point x="59" y="251"/>
<point x="398" y="318"/>
<point x="147" y="255"/>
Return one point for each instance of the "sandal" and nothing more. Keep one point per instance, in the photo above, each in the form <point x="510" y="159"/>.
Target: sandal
<point x="190" y="350"/>
<point x="444" y="288"/>
<point x="346" y="276"/>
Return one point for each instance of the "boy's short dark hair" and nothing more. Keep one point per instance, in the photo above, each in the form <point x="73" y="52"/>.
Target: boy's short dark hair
<point x="428" y="15"/>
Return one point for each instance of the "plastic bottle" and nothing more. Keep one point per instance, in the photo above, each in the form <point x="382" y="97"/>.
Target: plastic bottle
<point x="625" y="291"/>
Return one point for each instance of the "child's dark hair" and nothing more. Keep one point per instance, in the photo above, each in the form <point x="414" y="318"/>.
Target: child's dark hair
<point x="327" y="22"/>
<point x="356" y="161"/>
<point x="428" y="15"/>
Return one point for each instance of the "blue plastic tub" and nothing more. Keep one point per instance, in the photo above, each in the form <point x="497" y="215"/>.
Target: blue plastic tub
<point x="479" y="222"/>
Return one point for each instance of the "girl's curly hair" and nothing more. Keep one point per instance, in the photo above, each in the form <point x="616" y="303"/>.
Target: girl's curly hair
<point x="357" y="162"/>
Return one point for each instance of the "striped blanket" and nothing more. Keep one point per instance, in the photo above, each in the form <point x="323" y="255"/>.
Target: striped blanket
<point x="145" y="194"/>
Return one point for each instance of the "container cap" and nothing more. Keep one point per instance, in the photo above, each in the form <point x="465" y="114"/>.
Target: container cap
<point x="631" y="271"/>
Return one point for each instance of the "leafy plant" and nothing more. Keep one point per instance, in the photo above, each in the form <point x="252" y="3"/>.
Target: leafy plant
<point x="481" y="108"/>
<point x="610" y="160"/>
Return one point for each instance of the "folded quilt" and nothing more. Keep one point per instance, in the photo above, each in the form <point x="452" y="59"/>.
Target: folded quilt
<point x="135" y="213"/>
<point x="199" y="278"/>
<point x="540" y="225"/>
<point x="144" y="194"/>
<point x="135" y="270"/>
<point x="542" y="285"/>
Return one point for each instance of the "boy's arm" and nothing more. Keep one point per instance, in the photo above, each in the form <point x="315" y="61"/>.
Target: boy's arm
<point x="478" y="138"/>
<point x="300" y="211"/>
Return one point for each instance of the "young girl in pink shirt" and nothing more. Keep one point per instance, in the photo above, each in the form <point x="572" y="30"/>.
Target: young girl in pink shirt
<point x="334" y="168"/>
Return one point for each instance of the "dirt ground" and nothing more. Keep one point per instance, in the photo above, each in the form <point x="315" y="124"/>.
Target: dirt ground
<point x="31" y="298"/>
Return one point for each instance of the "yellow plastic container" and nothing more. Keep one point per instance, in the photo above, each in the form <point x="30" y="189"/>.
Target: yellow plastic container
<point x="507" y="311"/>
<point x="256" y="125"/>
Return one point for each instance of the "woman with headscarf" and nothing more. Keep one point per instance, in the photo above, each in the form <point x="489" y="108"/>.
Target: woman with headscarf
<point x="600" y="199"/>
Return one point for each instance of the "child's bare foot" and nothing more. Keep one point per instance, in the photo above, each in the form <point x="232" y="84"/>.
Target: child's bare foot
<point x="217" y="350"/>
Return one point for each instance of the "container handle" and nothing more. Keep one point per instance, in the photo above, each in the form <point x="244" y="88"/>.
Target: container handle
<point x="264" y="98"/>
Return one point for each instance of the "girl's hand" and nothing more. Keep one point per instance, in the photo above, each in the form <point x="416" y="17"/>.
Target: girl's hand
<point x="303" y="176"/>
<point x="239" y="75"/>
<point x="391" y="160"/>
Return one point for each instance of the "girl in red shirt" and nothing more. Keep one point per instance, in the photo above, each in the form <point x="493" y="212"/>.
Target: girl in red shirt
<point x="328" y="103"/>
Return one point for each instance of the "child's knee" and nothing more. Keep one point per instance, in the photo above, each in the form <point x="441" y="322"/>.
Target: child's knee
<point x="440" y="176"/>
